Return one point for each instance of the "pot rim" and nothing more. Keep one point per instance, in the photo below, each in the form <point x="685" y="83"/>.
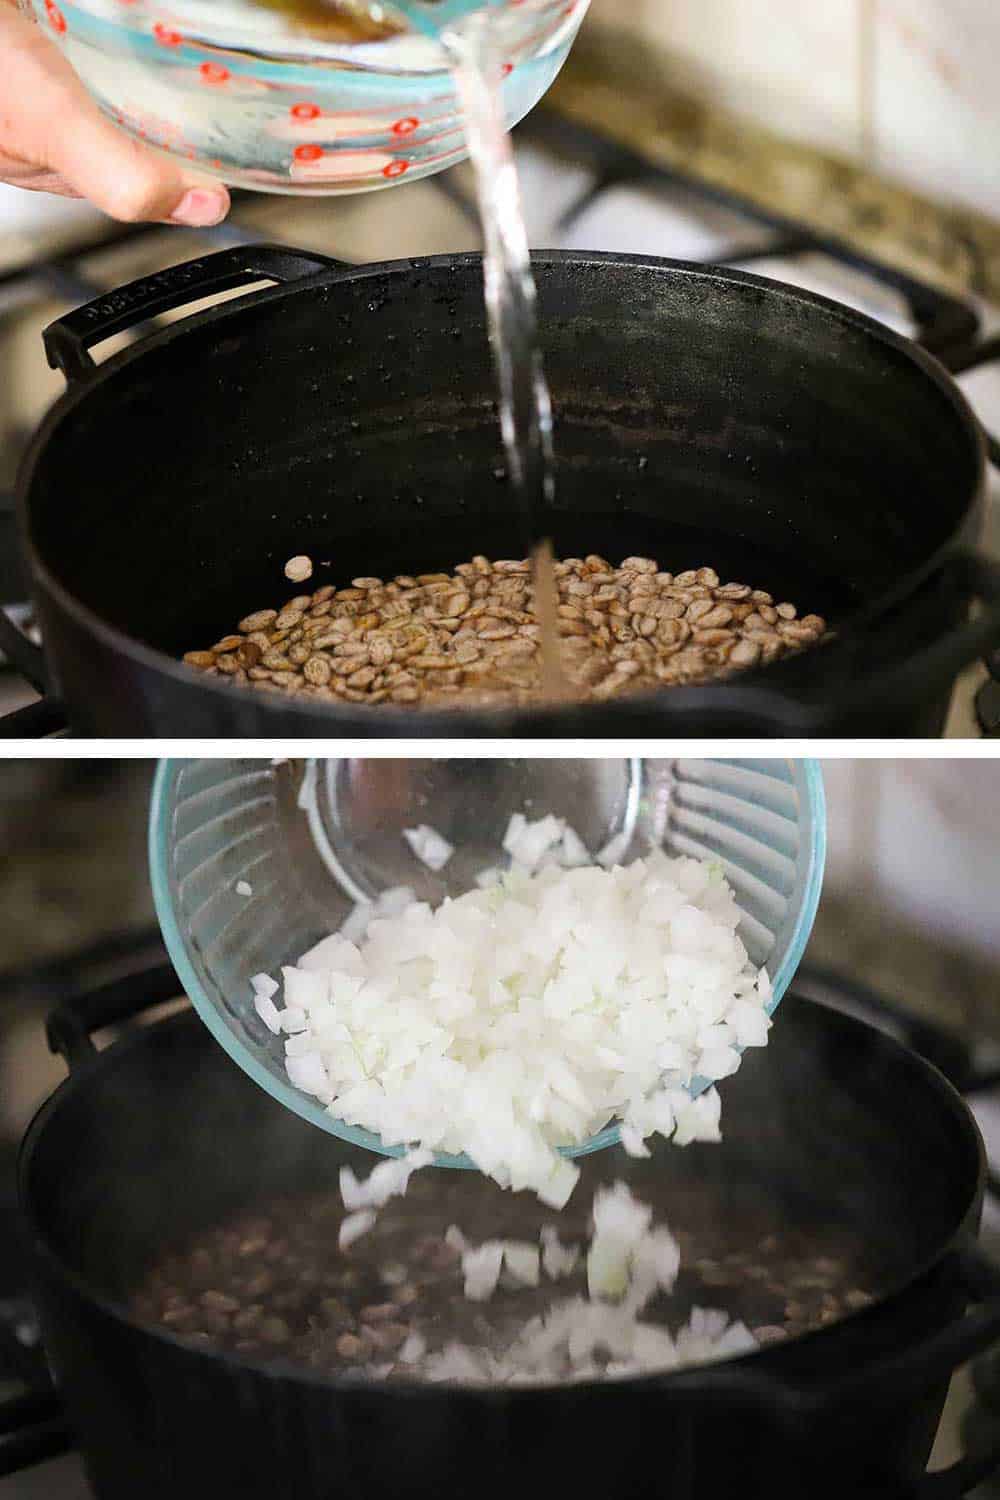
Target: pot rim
<point x="693" y="1381"/>
<point x="493" y="723"/>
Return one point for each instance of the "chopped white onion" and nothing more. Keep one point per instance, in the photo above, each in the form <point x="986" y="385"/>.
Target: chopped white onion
<point x="293" y="1020"/>
<point x="299" y="1045"/>
<point x="455" y="1363"/>
<point x="354" y="1226"/>
<point x="527" y="843"/>
<point x="619" y="1224"/>
<point x="556" y="1188"/>
<point x="523" y="1016"/>
<point x="573" y="851"/>
<point x="633" y="1141"/>
<point x="716" y="1063"/>
<point x="521" y="1261"/>
<point x="308" y="1073"/>
<point x="603" y="1337"/>
<point x="389" y="1179"/>
<point x="750" y="1024"/>
<point x="430" y="848"/>
<point x="558" y="1260"/>
<point x="393" y="902"/>
<point x="614" y="851"/>
<point x="268" y="1011"/>
<point x="305" y="989"/>
<point x="482" y="1270"/>
<point x="696" y="1119"/>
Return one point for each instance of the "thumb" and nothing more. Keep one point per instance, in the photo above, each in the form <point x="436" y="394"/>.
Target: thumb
<point x="128" y="181"/>
<point x="55" y="123"/>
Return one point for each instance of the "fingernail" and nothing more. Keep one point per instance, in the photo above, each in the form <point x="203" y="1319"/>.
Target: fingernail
<point x="201" y="207"/>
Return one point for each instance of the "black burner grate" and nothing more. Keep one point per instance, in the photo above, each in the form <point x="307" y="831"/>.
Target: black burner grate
<point x="947" y="326"/>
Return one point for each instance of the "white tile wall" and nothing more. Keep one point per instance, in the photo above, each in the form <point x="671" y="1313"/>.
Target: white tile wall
<point x="937" y="96"/>
<point x="786" y="63"/>
<point x="908" y="84"/>
<point x="920" y="838"/>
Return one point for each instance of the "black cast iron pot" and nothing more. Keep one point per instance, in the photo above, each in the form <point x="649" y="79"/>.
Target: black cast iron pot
<point x="835" y="1126"/>
<point x="704" y="416"/>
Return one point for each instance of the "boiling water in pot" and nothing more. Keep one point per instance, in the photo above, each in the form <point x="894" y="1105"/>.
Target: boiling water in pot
<point x="272" y="1283"/>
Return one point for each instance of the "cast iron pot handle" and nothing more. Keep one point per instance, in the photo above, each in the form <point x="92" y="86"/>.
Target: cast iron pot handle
<point x="36" y="720"/>
<point x="935" y="665"/>
<point x="769" y="712"/>
<point x="67" y="342"/>
<point x="942" y="661"/>
<point x="966" y="359"/>
<point x="68" y="1028"/>
<point x="32" y="1430"/>
<point x="930" y="1362"/>
<point x="32" y="1426"/>
<point x="936" y="1359"/>
<point x="28" y="658"/>
<point x="68" y="339"/>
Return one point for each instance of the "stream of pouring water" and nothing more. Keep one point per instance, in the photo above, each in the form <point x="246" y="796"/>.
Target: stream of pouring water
<point x="473" y="48"/>
<point x="474" y="54"/>
<point x="554" y="684"/>
<point x="525" y="407"/>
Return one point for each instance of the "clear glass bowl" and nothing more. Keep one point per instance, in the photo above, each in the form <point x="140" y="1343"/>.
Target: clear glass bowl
<point x="263" y="100"/>
<point x="309" y="858"/>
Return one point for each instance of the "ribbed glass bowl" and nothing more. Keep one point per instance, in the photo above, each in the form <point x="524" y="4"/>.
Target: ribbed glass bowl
<point x="310" y="839"/>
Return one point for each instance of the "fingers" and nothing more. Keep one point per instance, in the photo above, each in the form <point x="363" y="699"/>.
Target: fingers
<point x="130" y="182"/>
<point x="34" y="179"/>
<point x="52" y="131"/>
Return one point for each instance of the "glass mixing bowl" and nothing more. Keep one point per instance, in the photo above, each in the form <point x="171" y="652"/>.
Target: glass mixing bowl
<point x="312" y="839"/>
<point x="279" y="95"/>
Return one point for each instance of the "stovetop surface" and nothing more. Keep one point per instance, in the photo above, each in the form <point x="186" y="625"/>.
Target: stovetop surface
<point x="579" y="193"/>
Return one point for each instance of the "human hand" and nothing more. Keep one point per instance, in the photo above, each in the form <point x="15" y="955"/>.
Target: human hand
<point x="54" y="139"/>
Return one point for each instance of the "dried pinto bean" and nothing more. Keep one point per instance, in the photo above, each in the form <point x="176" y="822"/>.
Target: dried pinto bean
<point x="276" y="1287"/>
<point x="473" y="635"/>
